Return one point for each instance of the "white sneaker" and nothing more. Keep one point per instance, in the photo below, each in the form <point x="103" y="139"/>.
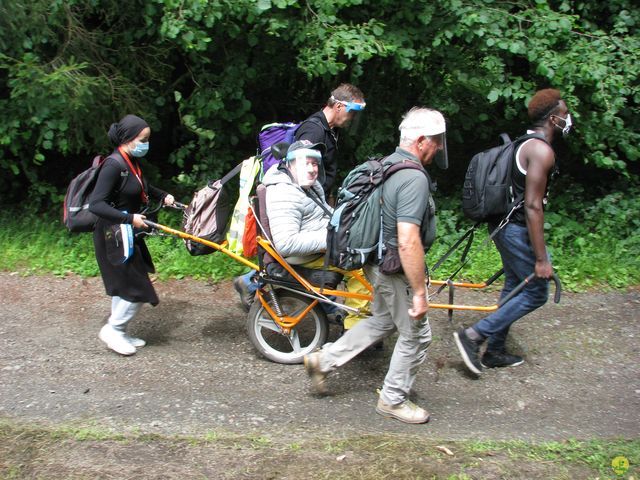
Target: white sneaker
<point x="135" y="341"/>
<point x="116" y="341"/>
<point x="407" y="412"/>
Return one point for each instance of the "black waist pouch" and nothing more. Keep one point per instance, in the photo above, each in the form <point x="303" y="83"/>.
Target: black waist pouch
<point x="391" y="261"/>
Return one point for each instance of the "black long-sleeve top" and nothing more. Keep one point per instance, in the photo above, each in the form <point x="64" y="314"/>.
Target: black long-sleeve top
<point x="117" y="190"/>
<point x="318" y="131"/>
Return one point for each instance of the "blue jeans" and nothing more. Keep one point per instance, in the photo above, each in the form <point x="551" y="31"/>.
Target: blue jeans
<point x="252" y="286"/>
<point x="518" y="261"/>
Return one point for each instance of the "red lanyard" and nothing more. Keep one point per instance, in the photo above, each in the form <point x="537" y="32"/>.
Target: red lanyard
<point x="137" y="172"/>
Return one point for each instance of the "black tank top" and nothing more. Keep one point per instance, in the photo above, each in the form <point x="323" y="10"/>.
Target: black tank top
<point x="518" y="182"/>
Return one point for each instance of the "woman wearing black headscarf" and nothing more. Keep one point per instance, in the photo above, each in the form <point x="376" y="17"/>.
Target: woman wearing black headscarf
<point x="120" y="193"/>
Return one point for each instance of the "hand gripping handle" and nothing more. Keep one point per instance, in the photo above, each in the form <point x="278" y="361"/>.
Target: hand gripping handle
<point x="521" y="285"/>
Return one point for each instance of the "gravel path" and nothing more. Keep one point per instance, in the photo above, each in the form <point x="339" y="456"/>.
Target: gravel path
<point x="199" y="372"/>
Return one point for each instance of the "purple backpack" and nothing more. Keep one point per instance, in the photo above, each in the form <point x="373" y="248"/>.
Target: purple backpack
<point x="271" y="134"/>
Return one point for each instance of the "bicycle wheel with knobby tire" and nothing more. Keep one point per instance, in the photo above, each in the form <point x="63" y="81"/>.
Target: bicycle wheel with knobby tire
<point x="269" y="339"/>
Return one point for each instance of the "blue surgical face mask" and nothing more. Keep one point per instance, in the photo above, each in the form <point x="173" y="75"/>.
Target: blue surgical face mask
<point x="140" y="150"/>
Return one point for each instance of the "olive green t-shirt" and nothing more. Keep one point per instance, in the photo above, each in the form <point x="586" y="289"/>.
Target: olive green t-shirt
<point x="407" y="198"/>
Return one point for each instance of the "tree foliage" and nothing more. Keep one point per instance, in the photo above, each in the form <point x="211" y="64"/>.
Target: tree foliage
<point x="207" y="74"/>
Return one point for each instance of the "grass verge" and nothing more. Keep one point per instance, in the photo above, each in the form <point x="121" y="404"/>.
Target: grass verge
<point x="593" y="243"/>
<point x="35" y="451"/>
<point x="38" y="243"/>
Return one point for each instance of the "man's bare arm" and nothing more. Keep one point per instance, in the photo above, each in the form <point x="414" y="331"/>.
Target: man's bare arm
<point x="541" y="160"/>
<point x="411" y="254"/>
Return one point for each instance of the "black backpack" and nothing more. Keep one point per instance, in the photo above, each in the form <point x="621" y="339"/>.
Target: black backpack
<point x="75" y="209"/>
<point x="487" y="193"/>
<point x="355" y="228"/>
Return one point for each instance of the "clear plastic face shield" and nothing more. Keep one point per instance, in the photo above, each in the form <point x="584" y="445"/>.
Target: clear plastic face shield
<point x="347" y="116"/>
<point x="351" y="106"/>
<point x="305" y="164"/>
<point x="441" y="158"/>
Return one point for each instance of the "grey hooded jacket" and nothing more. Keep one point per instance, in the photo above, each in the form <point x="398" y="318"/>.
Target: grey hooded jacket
<point x="298" y="224"/>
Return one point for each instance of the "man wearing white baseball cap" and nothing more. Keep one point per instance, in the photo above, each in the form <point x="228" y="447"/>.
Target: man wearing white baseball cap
<point x="400" y="295"/>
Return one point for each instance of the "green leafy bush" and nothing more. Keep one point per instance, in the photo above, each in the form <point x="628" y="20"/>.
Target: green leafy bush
<point x="35" y="243"/>
<point x="206" y="75"/>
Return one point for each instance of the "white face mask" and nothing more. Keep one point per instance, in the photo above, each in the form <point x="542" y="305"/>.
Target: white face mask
<point x="567" y="125"/>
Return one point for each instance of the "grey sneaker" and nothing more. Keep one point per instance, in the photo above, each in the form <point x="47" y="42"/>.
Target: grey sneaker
<point x="115" y="341"/>
<point x="135" y="341"/>
<point x="407" y="411"/>
<point x="468" y="350"/>
<point x="318" y="377"/>
<point x="246" y="299"/>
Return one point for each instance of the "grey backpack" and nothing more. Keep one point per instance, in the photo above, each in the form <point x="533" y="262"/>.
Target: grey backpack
<point x="208" y="214"/>
<point x="354" y="234"/>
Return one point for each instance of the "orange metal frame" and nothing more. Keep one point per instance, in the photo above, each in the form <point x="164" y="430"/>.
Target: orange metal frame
<point x="286" y="323"/>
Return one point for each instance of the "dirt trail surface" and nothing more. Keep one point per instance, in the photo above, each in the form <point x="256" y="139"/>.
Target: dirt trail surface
<point x="199" y="373"/>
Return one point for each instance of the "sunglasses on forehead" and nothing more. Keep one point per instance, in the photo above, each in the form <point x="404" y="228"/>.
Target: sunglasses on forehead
<point x="351" y="106"/>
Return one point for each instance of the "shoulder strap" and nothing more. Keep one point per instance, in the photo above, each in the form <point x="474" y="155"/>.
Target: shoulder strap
<point x="404" y="165"/>
<point x="317" y="201"/>
<point x="317" y="121"/>
<point x="519" y="141"/>
<point x="529" y="136"/>
<point x="118" y="158"/>
<point x="505" y="138"/>
<point x="232" y="173"/>
<point x="517" y="203"/>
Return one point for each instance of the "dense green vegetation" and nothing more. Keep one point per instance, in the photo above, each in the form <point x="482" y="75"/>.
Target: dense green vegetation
<point x="206" y="75"/>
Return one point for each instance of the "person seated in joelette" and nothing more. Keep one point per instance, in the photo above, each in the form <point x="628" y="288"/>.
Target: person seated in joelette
<point x="299" y="214"/>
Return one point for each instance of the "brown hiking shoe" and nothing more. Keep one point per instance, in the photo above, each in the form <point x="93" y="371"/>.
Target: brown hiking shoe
<point x="407" y="412"/>
<point x="318" y="377"/>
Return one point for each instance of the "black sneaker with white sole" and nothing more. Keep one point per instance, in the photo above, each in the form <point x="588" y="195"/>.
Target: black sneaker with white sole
<point x="469" y="351"/>
<point x="500" y="359"/>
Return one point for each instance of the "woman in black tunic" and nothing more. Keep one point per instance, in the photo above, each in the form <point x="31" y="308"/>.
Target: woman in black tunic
<point x="120" y="193"/>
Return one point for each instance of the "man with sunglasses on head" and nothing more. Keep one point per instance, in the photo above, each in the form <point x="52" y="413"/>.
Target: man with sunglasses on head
<point x="521" y="241"/>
